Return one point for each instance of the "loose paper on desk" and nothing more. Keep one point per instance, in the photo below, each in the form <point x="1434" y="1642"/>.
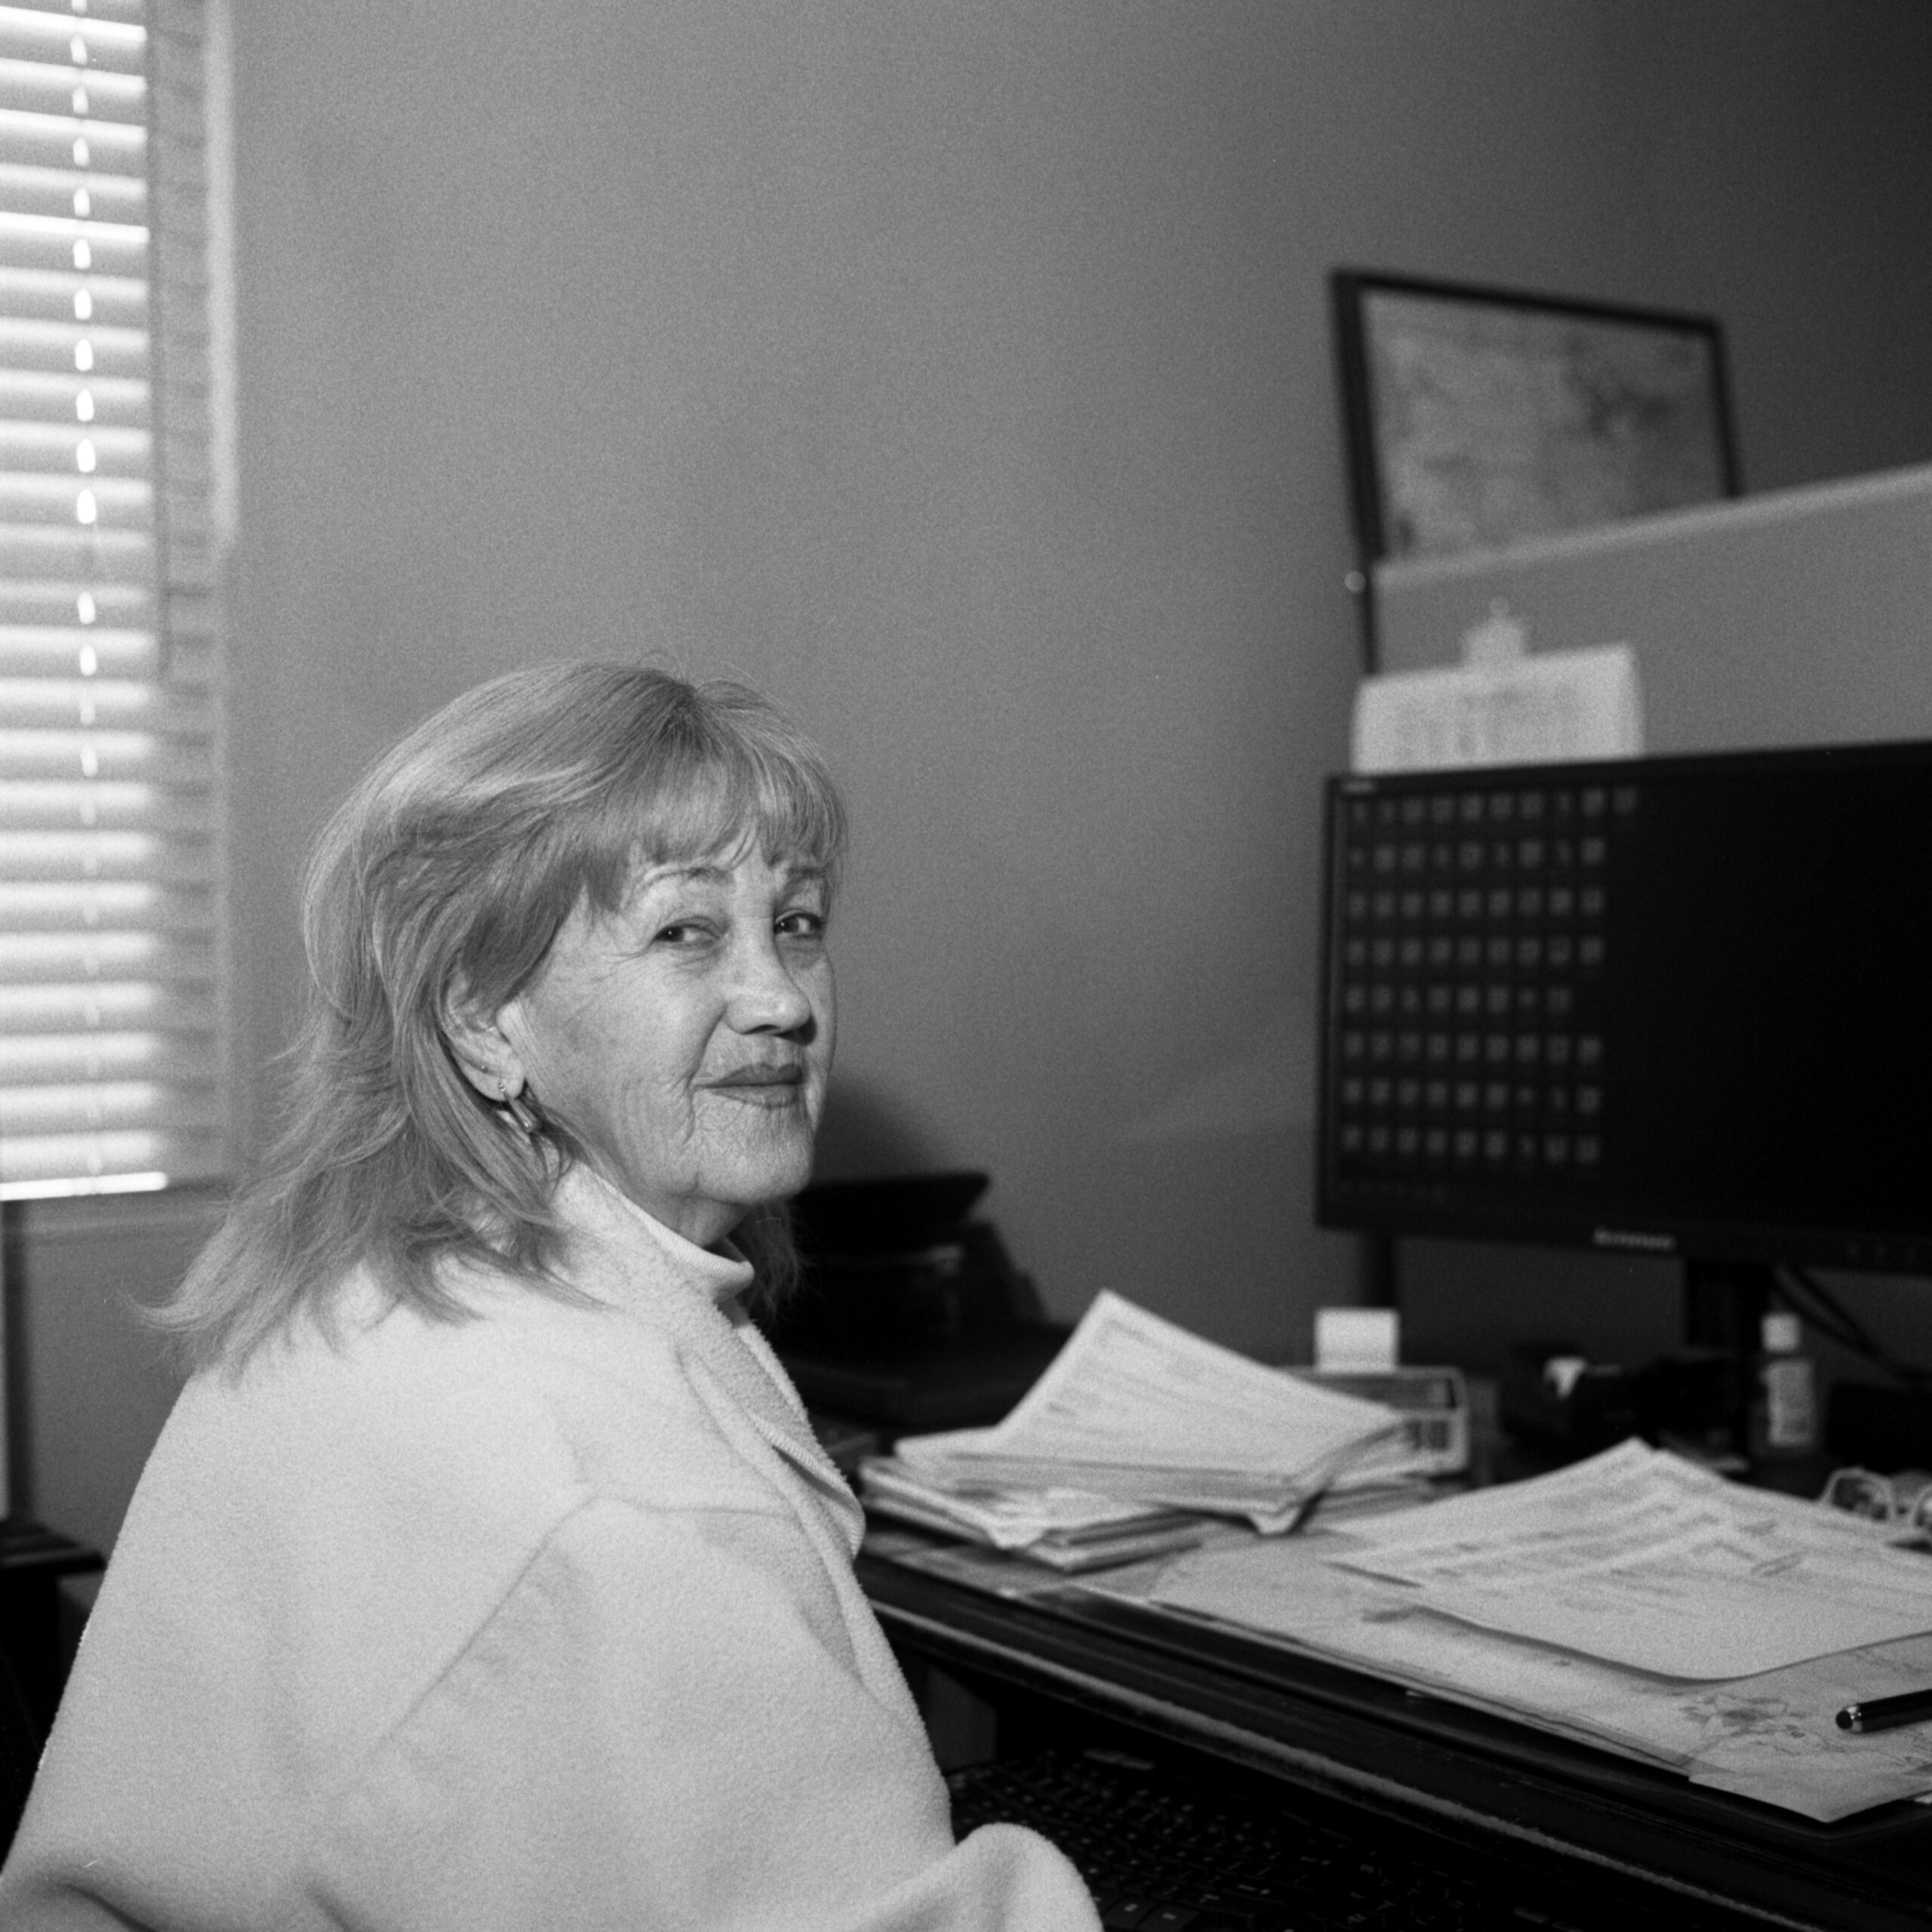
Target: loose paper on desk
<point x="1547" y="707"/>
<point x="1773" y="1736"/>
<point x="1135" y="1406"/>
<point x="1644" y="1559"/>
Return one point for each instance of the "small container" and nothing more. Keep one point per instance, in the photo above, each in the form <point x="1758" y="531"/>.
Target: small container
<point x="1784" y="1393"/>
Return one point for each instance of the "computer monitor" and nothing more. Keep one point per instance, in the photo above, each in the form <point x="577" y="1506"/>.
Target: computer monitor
<point x="1673" y="1006"/>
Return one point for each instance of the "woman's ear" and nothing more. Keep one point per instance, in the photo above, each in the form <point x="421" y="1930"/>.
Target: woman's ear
<point x="483" y="1050"/>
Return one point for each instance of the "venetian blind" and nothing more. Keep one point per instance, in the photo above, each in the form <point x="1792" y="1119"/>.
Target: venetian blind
<point x="111" y="874"/>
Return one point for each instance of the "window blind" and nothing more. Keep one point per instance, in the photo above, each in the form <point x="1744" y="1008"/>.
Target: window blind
<point x="111" y="976"/>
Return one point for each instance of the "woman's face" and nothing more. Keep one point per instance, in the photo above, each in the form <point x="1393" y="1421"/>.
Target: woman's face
<point x="685" y="1039"/>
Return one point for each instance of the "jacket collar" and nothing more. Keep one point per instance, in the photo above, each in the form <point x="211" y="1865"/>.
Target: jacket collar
<point x="630" y="1259"/>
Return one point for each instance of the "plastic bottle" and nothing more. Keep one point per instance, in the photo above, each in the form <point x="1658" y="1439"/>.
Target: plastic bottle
<point x="1784" y="1393"/>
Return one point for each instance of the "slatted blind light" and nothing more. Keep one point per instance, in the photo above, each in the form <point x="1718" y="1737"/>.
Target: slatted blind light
<point x="111" y="877"/>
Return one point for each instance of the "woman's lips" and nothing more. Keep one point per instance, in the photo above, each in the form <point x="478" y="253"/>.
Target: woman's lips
<point x="763" y="1086"/>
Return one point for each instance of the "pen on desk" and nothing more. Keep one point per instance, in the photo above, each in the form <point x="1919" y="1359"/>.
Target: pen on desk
<point x="1881" y="1713"/>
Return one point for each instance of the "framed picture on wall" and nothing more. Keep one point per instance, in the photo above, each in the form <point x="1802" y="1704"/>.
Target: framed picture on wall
<point x="1480" y="418"/>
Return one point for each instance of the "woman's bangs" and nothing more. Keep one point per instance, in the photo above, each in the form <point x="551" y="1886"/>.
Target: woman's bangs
<point x="700" y="804"/>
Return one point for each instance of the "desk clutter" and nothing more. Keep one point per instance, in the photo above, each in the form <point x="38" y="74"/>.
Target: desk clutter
<point x="1637" y="1602"/>
<point x="1139" y="1434"/>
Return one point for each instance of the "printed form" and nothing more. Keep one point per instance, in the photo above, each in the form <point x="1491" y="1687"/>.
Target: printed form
<point x="1640" y="1558"/>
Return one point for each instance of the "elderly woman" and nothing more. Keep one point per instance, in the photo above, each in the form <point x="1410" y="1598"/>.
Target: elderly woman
<point x="486" y="1573"/>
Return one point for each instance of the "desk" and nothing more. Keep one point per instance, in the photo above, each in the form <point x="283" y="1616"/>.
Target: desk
<point x="1605" y="1828"/>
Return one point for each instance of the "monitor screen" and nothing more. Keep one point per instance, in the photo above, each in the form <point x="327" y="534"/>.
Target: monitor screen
<point x="1678" y="1005"/>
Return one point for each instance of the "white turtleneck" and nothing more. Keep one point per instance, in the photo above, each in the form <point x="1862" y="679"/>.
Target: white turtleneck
<point x="542" y="1619"/>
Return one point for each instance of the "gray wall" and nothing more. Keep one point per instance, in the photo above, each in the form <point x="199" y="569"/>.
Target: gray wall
<point x="961" y="374"/>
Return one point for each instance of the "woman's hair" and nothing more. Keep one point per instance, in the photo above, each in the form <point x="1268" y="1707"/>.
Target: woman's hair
<point x="441" y="881"/>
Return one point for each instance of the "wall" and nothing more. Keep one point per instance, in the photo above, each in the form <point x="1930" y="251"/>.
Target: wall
<point x="961" y="375"/>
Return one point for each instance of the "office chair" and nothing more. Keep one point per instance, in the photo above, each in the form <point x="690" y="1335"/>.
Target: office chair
<point x="19" y="1755"/>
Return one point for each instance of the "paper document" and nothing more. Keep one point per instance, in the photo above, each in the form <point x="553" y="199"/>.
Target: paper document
<point x="1133" y="1406"/>
<point x="1006" y="1518"/>
<point x="1772" y="1737"/>
<point x="1551" y="707"/>
<point x="1639" y="1558"/>
<point x="1071" y="1529"/>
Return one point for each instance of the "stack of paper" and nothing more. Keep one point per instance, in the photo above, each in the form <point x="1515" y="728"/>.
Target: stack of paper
<point x="1069" y="1529"/>
<point x="1136" y="1409"/>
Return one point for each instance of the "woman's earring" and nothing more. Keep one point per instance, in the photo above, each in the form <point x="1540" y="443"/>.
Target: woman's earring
<point x="518" y="1110"/>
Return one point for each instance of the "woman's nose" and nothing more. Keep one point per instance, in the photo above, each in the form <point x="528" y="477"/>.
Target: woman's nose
<point x="766" y="996"/>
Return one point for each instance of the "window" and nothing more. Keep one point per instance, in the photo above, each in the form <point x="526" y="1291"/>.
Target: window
<point x="111" y="971"/>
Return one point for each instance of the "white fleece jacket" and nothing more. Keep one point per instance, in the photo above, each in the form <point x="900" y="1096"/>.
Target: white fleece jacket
<point x="542" y="1619"/>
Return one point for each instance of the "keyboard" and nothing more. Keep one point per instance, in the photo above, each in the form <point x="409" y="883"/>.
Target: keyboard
<point x="1161" y="1852"/>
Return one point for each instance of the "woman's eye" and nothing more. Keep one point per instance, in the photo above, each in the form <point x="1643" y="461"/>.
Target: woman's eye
<point x="801" y="925"/>
<point x="681" y="932"/>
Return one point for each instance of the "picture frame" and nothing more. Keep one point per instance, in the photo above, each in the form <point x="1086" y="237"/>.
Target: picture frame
<point x="1477" y="417"/>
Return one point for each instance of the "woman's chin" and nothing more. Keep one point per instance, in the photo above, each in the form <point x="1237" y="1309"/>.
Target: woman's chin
<point x="775" y="1173"/>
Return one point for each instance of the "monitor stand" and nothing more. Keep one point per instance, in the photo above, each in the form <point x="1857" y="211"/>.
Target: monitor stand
<point x="1724" y="1304"/>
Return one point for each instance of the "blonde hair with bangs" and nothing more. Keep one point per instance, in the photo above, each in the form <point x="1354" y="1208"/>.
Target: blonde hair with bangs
<point x="444" y="877"/>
